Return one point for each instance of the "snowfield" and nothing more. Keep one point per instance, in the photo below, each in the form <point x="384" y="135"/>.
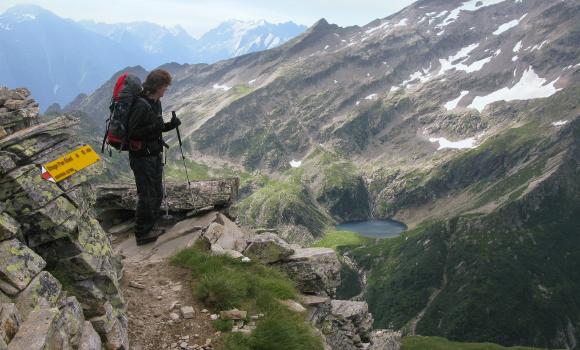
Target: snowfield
<point x="529" y="87"/>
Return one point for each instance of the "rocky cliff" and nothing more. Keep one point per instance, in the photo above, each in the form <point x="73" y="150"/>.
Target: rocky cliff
<point x="59" y="280"/>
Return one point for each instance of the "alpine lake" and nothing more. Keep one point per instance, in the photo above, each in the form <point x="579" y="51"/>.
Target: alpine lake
<point x="374" y="228"/>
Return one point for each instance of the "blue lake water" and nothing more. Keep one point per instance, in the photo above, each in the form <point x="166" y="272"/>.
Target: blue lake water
<point x="374" y="228"/>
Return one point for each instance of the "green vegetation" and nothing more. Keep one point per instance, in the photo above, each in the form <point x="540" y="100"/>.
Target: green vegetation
<point x="335" y="239"/>
<point x="513" y="185"/>
<point x="224" y="283"/>
<point x="437" y="343"/>
<point x="243" y="90"/>
<point x="283" y="202"/>
<point x="404" y="272"/>
<point x="196" y="171"/>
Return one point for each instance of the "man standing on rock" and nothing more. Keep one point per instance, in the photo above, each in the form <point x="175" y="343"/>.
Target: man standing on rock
<point x="146" y="153"/>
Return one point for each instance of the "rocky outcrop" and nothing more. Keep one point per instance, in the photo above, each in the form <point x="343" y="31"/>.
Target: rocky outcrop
<point x="51" y="246"/>
<point x="211" y="193"/>
<point x="268" y="248"/>
<point x="17" y="111"/>
<point x="347" y="325"/>
<point x="315" y="270"/>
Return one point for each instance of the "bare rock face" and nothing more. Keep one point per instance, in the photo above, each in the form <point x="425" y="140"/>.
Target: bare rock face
<point x="50" y="243"/>
<point x="90" y="339"/>
<point x="315" y="270"/>
<point x="226" y="234"/>
<point x="345" y="324"/>
<point x="16" y="111"/>
<point x="268" y="248"/>
<point x="383" y="339"/>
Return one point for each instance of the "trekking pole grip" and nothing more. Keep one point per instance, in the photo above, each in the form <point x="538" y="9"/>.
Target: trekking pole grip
<point x="174" y="115"/>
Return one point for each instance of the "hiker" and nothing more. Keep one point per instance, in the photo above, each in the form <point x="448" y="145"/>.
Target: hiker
<point x="146" y="153"/>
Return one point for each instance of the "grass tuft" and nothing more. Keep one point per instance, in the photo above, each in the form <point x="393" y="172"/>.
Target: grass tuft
<point x="224" y="283"/>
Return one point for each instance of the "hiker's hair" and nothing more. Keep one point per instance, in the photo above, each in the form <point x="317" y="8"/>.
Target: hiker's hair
<point x="156" y="80"/>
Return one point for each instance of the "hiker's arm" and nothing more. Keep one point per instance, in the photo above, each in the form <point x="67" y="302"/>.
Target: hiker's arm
<point x="138" y="131"/>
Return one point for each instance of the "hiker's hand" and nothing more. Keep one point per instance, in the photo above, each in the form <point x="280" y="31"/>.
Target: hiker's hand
<point x="175" y="122"/>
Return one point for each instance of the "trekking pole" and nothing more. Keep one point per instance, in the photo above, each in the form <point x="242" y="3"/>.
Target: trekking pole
<point x="183" y="158"/>
<point x="166" y="216"/>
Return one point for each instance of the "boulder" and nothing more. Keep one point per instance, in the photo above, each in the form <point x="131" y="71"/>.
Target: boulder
<point x="70" y="320"/>
<point x="383" y="339"/>
<point x="113" y="326"/>
<point x="8" y="227"/>
<point x="18" y="266"/>
<point x="228" y="236"/>
<point x="15" y="104"/>
<point x="216" y="249"/>
<point x="268" y="248"/>
<point x="357" y="312"/>
<point x="43" y="291"/>
<point x="346" y="324"/>
<point x="90" y="339"/>
<point x="315" y="270"/>
<point x="9" y="322"/>
<point x="38" y="332"/>
<point x="233" y="314"/>
<point x="293" y="305"/>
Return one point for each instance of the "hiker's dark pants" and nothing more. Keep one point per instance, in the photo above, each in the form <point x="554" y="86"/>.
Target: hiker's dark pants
<point x="148" y="171"/>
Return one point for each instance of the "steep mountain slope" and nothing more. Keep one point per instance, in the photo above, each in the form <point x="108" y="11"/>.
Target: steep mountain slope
<point x="459" y="118"/>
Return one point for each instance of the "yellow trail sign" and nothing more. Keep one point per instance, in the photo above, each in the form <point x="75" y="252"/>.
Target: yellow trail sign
<point x="70" y="164"/>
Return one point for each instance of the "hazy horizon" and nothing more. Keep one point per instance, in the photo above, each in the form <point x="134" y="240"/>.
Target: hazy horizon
<point x="198" y="17"/>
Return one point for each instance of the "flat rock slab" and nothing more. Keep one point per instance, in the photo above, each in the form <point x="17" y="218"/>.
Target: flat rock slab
<point x="309" y="253"/>
<point x="180" y="236"/>
<point x="124" y="227"/>
<point x="348" y="309"/>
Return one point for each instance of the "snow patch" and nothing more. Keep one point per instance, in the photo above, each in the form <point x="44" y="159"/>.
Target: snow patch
<point x="394" y="88"/>
<point x="560" y="123"/>
<point x="463" y="55"/>
<point x="251" y="82"/>
<point x="295" y="163"/>
<point x="469" y="6"/>
<point x="461" y="144"/>
<point x="371" y="97"/>
<point x="539" y="46"/>
<point x="453" y="103"/>
<point x="518" y="47"/>
<point x="402" y="23"/>
<point x="529" y="87"/>
<point x="221" y="87"/>
<point x="507" y="26"/>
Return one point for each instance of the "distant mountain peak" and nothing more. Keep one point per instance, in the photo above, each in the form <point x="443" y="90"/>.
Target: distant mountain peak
<point x="26" y="12"/>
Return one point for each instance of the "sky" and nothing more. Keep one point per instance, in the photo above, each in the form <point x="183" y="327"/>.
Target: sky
<point x="197" y="17"/>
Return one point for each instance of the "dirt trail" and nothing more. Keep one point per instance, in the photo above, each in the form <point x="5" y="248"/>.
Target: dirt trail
<point x="155" y="291"/>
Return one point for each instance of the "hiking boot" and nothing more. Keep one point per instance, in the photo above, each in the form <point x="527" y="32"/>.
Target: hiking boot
<point x="149" y="236"/>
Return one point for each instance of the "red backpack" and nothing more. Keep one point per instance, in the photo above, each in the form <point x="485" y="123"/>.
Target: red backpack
<point x="126" y="92"/>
